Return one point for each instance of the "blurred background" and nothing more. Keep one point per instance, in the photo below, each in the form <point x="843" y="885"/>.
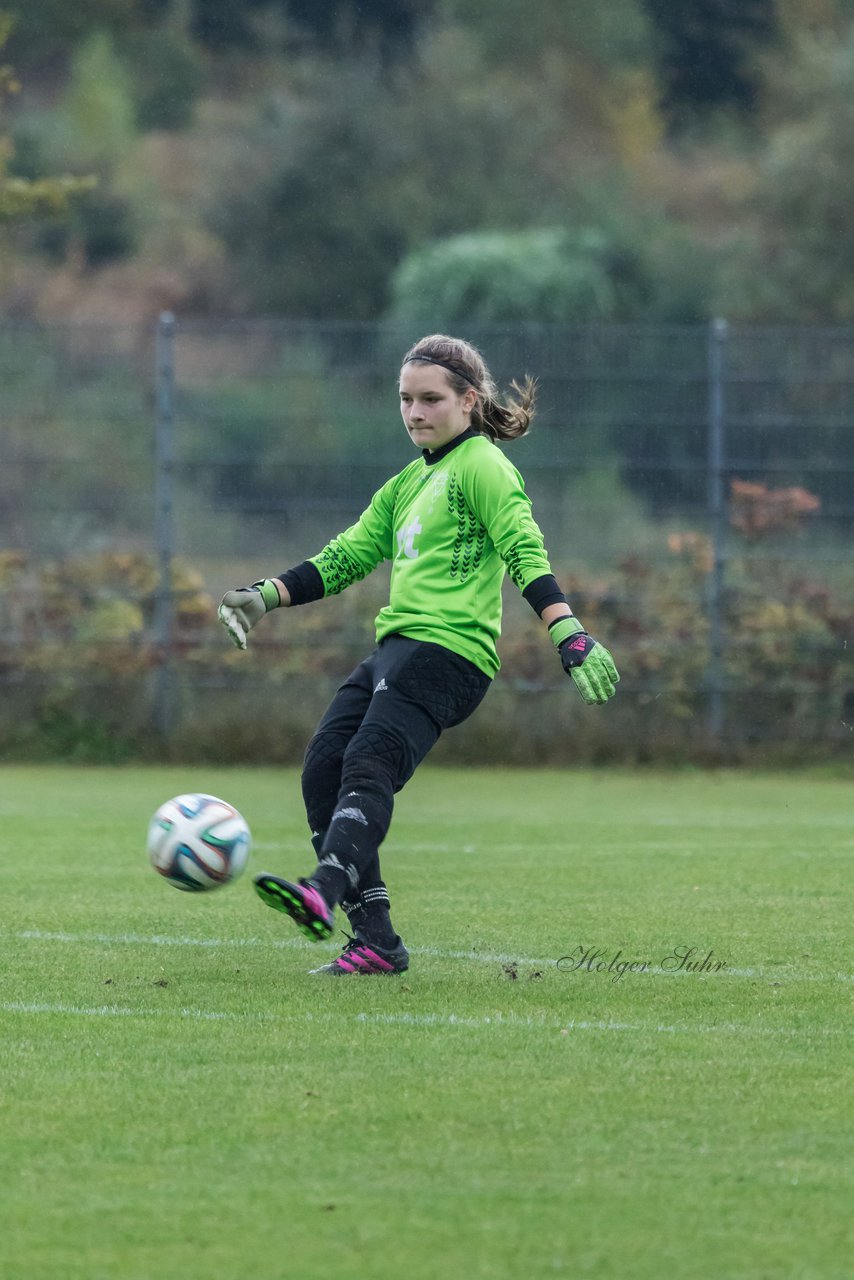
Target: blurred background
<point x="221" y="224"/>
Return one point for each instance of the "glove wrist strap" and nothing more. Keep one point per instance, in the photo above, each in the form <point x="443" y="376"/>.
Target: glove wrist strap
<point x="269" y="593"/>
<point x="562" y="628"/>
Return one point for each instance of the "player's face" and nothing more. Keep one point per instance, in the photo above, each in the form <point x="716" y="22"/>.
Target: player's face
<point x="432" y="411"/>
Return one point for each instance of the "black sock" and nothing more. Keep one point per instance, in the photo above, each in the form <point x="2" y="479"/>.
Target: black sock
<point x="375" y="909"/>
<point x="354" y="911"/>
<point x="327" y="879"/>
<point x="330" y="882"/>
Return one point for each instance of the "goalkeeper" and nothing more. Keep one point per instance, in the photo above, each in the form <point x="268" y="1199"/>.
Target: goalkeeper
<point x="451" y="522"/>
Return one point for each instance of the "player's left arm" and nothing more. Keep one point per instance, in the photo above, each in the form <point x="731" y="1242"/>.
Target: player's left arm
<point x="497" y="494"/>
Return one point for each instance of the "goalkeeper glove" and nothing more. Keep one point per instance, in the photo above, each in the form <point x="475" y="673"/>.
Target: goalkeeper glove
<point x="240" y="609"/>
<point x="588" y="663"/>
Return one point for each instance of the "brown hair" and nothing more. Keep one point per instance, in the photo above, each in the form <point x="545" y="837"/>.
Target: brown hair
<point x="500" y="419"/>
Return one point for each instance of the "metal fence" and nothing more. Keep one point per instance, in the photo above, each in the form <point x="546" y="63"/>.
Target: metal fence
<point x="694" y="485"/>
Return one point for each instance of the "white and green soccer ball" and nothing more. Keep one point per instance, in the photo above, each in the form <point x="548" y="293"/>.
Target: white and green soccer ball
<point x="198" y="842"/>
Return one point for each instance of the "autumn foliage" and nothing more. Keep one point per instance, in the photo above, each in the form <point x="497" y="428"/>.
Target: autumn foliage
<point x="79" y="660"/>
<point x="756" y="510"/>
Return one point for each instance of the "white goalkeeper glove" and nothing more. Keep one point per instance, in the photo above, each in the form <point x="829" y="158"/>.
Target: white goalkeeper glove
<point x="241" y="608"/>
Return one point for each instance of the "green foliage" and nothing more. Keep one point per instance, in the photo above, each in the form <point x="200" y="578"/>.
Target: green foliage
<point x="92" y="126"/>
<point x="167" y="75"/>
<point x="317" y="146"/>
<point x="550" y="276"/>
<point x="221" y="25"/>
<point x="332" y="25"/>
<point x="336" y="24"/>
<point x="97" y="112"/>
<point x="329" y="226"/>
<point x="25" y="197"/>
<point x="104" y="225"/>
<point x="77" y="441"/>
<point x="797" y="261"/>
<point x="605" y="36"/>
<point x="46" y="30"/>
<point x="92" y="614"/>
<point x="75" y="628"/>
<point x="352" y="169"/>
<point x="92" y="129"/>
<point x="707" y="53"/>
<point x="24" y="200"/>
<point x="100" y="228"/>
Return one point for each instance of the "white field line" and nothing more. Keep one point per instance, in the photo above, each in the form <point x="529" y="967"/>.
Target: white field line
<point x="153" y="939"/>
<point x="118" y="1011"/>
<point x="484" y="957"/>
<point x="438" y="1020"/>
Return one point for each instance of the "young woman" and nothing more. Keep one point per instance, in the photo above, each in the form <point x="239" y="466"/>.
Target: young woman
<point x="452" y="522"/>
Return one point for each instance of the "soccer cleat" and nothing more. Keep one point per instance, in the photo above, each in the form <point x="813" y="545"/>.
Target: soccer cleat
<point x="302" y="902"/>
<point x="362" y="957"/>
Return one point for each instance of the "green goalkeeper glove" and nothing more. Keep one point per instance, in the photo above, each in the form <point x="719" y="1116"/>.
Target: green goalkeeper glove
<point x="588" y="663"/>
<point x="240" y="609"/>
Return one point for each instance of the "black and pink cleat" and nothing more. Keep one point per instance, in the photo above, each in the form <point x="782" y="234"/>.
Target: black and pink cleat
<point x="302" y="902"/>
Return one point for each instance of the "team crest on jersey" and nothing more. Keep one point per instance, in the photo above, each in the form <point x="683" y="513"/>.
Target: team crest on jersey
<point x="440" y="481"/>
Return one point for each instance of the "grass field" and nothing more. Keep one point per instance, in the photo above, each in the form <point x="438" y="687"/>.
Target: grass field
<point x="178" y="1098"/>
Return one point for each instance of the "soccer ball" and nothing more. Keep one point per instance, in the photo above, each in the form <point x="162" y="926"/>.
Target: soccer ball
<point x="198" y="842"/>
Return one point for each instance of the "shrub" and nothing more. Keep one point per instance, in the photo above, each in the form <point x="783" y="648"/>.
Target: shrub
<point x="551" y="276"/>
<point x="78" y="658"/>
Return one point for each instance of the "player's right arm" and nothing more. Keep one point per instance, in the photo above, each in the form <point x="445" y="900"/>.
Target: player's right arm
<point x="355" y="552"/>
<point x="348" y="558"/>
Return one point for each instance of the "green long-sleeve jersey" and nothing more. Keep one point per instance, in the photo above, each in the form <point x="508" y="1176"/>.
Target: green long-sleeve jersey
<point x="451" y="524"/>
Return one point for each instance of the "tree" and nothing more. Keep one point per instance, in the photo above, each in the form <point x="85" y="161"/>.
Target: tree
<point x="355" y="165"/>
<point x="707" y="53"/>
<point x="602" y="37"/>
<point x="799" y="262"/>
<point x="222" y="24"/>
<point x="333" y="25"/>
<point x="23" y="198"/>
<point x="320" y="232"/>
<point x="390" y="22"/>
<point x="47" y="30"/>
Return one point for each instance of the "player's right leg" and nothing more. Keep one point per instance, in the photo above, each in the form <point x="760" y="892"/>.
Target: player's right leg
<point x="324" y="755"/>
<point x="301" y="901"/>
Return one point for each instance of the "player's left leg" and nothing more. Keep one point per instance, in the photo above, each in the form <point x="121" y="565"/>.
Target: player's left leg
<point x="365" y="956"/>
<point x="420" y="690"/>
<point x="423" y="689"/>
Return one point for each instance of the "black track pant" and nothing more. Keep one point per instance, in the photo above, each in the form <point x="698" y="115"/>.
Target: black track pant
<point x="378" y="728"/>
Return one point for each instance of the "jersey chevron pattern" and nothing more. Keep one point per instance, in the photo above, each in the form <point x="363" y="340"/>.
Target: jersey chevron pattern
<point x="450" y="528"/>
